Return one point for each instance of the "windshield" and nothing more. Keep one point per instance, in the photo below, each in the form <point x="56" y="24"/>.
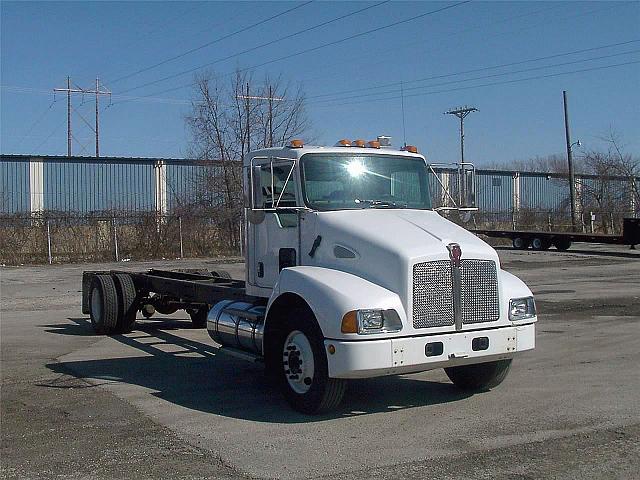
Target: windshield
<point x="348" y="181"/>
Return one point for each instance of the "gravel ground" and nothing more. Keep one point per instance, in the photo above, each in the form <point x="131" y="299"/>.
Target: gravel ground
<point x="160" y="402"/>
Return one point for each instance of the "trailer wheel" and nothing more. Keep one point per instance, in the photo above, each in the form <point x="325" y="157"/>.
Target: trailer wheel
<point x="479" y="377"/>
<point x="562" y="244"/>
<point x="537" y="243"/>
<point x="127" y="302"/>
<point x="520" y="243"/>
<point x="103" y="300"/>
<point x="199" y="317"/>
<point x="302" y="371"/>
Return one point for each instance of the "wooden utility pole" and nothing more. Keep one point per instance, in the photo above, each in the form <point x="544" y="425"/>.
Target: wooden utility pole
<point x="270" y="98"/>
<point x="462" y="113"/>
<point x="572" y="178"/>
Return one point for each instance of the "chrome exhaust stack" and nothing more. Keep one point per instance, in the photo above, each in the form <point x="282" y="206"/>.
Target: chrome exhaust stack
<point x="237" y="324"/>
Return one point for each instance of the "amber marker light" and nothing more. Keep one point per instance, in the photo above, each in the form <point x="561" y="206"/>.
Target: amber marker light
<point x="349" y="322"/>
<point x="331" y="349"/>
<point x="373" y="144"/>
<point x="410" y="148"/>
<point x="296" y="143"/>
<point x="358" y="143"/>
<point x="343" y="143"/>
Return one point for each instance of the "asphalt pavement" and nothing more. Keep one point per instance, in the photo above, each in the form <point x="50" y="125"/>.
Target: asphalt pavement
<point x="161" y="401"/>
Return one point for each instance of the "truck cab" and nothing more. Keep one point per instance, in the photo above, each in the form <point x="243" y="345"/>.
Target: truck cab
<point x="357" y="275"/>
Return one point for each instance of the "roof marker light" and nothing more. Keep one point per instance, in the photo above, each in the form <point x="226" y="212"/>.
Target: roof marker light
<point x="410" y="148"/>
<point x="296" y="143"/>
<point x="343" y="143"/>
<point x="358" y="143"/>
<point x="373" y="144"/>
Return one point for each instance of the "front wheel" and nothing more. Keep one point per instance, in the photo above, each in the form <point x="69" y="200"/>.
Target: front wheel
<point x="479" y="377"/>
<point x="302" y="372"/>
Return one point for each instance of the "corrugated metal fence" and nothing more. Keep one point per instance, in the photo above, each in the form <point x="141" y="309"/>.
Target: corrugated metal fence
<point x="96" y="197"/>
<point x="87" y="185"/>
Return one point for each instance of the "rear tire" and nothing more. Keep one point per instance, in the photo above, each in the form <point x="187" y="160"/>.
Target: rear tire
<point x="127" y="302"/>
<point x="520" y="243"/>
<point x="103" y="300"/>
<point x="562" y="244"/>
<point x="301" y="368"/>
<point x="479" y="377"/>
<point x="537" y="243"/>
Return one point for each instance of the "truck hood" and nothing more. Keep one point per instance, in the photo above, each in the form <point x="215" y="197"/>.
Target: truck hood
<point x="388" y="242"/>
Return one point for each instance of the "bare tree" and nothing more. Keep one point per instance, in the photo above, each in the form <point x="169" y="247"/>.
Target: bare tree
<point x="614" y="189"/>
<point x="228" y="119"/>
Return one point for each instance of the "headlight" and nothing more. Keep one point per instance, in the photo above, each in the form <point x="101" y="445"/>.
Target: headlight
<point x="521" y="308"/>
<point x="371" y="321"/>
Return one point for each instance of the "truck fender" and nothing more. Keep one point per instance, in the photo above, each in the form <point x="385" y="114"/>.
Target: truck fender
<point x="512" y="287"/>
<point x="330" y="294"/>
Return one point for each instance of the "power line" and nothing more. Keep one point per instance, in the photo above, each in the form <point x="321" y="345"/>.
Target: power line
<point x="458" y="32"/>
<point x="286" y="37"/>
<point x="510" y="64"/>
<point x="200" y="47"/>
<point x="53" y="132"/>
<point x="37" y="121"/>
<point x="505" y="82"/>
<point x="335" y="42"/>
<point x="333" y="100"/>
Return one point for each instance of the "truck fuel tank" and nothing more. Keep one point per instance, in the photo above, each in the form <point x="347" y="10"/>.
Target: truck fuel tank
<point x="237" y="324"/>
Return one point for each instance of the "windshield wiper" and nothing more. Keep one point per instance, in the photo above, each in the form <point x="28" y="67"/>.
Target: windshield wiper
<point x="381" y="203"/>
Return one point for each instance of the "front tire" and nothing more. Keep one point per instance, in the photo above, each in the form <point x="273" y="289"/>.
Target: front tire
<point x="479" y="377"/>
<point x="302" y="372"/>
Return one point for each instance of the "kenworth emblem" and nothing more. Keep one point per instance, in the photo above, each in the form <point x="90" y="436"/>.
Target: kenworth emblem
<point x="455" y="254"/>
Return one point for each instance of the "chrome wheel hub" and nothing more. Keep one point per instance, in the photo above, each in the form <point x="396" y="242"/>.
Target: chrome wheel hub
<point x="298" y="362"/>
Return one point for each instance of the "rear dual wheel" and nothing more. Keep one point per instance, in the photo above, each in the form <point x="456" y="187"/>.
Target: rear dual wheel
<point x="113" y="303"/>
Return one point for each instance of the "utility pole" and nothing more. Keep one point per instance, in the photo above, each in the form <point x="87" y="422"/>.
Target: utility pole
<point x="462" y="113"/>
<point x="83" y="91"/>
<point x="247" y="97"/>
<point x="68" y="116"/>
<point x="572" y="178"/>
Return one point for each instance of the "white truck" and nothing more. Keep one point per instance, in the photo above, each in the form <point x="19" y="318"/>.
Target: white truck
<point x="350" y="273"/>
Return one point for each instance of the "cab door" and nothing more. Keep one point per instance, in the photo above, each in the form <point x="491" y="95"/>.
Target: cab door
<point x="275" y="220"/>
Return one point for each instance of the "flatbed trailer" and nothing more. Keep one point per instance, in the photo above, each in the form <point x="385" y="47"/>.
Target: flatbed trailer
<point x="541" y="240"/>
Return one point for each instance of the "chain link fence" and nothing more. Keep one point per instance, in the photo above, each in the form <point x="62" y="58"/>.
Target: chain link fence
<point x="57" y="238"/>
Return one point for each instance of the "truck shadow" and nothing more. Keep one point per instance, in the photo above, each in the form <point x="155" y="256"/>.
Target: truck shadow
<point x="195" y="375"/>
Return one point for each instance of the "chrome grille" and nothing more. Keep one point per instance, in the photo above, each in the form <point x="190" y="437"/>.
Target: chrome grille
<point x="433" y="293"/>
<point x="479" y="293"/>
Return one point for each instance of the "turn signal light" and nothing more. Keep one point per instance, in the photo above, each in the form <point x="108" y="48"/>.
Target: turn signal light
<point x="358" y="143"/>
<point x="343" y="143"/>
<point x="373" y="144"/>
<point x="296" y="143"/>
<point x="350" y="322"/>
<point x="410" y="148"/>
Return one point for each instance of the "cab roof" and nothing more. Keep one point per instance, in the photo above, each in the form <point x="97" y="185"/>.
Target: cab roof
<point x="295" y="153"/>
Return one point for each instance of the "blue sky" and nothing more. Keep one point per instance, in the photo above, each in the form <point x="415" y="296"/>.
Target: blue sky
<point x="42" y="43"/>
